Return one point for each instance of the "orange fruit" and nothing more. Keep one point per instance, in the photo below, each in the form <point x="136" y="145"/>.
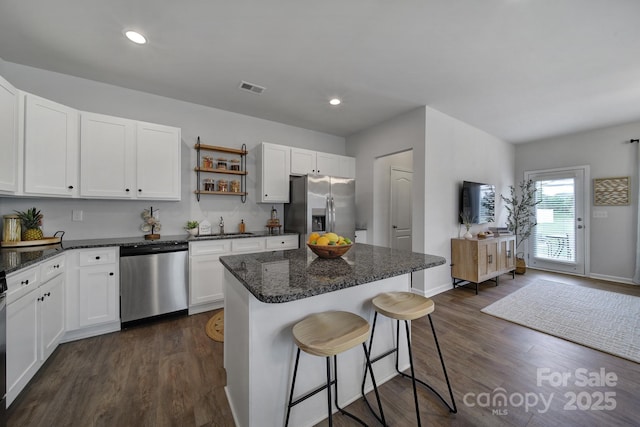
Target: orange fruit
<point x="313" y="236"/>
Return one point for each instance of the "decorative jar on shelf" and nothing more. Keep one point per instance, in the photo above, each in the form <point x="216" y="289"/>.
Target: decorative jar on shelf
<point x="223" y="185"/>
<point x="209" y="184"/>
<point x="207" y="162"/>
<point x="221" y="163"/>
<point x="235" y="186"/>
<point x="234" y="164"/>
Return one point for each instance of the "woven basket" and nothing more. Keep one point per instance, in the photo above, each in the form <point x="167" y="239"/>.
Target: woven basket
<point x="521" y="265"/>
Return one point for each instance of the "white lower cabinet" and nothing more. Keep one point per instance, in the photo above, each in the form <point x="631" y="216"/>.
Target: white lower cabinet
<point x="35" y="320"/>
<point x="206" y="272"/>
<point x="93" y="292"/>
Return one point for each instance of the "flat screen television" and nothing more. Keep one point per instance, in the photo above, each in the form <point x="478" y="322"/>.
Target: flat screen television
<point x="478" y="202"/>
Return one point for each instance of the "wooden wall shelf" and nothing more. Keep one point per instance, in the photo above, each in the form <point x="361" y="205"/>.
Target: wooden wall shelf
<point x="242" y="173"/>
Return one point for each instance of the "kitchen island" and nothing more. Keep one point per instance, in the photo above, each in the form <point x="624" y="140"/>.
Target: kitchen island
<point x="267" y="293"/>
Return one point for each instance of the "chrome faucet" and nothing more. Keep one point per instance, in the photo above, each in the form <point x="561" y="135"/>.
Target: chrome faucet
<point x="221" y="225"/>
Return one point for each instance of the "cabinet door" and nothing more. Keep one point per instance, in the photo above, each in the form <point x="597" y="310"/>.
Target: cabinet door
<point x="51" y="148"/>
<point x="8" y="137"/>
<point x="274" y="173"/>
<point x="98" y="295"/>
<point x="158" y="162"/>
<point x="206" y="279"/>
<point x="506" y="255"/>
<point x="303" y="162"/>
<point x="328" y="164"/>
<point x="51" y="315"/>
<point x="107" y="154"/>
<point x="22" y="343"/>
<point x="347" y="167"/>
<point x="487" y="259"/>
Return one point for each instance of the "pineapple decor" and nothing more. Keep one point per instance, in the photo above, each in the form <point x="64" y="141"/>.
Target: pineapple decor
<point x="31" y="221"/>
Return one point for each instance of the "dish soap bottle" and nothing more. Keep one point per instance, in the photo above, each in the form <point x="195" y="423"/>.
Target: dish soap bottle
<point x="241" y="226"/>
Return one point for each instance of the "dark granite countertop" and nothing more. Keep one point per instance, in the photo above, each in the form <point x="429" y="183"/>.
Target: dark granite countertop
<point x="282" y="276"/>
<point x="14" y="259"/>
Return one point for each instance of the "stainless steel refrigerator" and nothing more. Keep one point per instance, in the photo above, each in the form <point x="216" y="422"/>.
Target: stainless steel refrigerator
<point x="321" y="203"/>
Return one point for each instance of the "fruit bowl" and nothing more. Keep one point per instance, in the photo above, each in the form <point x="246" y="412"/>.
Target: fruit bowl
<point x="329" y="251"/>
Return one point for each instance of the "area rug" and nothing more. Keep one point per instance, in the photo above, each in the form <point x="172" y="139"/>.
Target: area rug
<point x="215" y="327"/>
<point x="603" y="320"/>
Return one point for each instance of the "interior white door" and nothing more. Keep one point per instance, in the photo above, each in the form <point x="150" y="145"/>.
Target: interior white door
<point x="401" y="203"/>
<point x="557" y="242"/>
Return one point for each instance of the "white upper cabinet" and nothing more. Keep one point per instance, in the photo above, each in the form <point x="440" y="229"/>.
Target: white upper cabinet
<point x="126" y="159"/>
<point x="328" y="164"/>
<point x="347" y="167"/>
<point x="273" y="163"/>
<point x="107" y="156"/>
<point x="50" y="148"/>
<point x="158" y="162"/>
<point x="8" y="137"/>
<point x="303" y="162"/>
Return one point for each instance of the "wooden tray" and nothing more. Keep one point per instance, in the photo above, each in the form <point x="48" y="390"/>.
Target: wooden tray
<point x="41" y="242"/>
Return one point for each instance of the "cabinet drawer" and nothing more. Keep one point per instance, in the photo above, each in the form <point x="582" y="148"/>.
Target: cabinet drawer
<point x="282" y="242"/>
<point x="213" y="247"/>
<point x="22" y="282"/>
<point x="51" y="268"/>
<point x="247" y="245"/>
<point x="98" y="256"/>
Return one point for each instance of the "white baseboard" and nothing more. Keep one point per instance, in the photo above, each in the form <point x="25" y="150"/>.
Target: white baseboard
<point x="195" y="309"/>
<point x="92" y="331"/>
<point x="608" y="278"/>
<point x="433" y="291"/>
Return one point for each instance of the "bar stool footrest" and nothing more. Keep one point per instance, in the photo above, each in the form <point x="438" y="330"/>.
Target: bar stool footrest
<point x="424" y="384"/>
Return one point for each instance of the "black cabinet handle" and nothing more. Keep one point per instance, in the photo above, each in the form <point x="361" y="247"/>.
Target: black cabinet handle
<point x="25" y="282"/>
<point x="97" y="257"/>
<point x="111" y="274"/>
<point x="71" y="187"/>
<point x="48" y="294"/>
<point x="139" y="190"/>
<point x="127" y="190"/>
<point x="40" y="299"/>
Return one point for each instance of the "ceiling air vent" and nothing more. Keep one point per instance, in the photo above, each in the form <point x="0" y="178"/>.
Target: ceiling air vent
<point x="251" y="87"/>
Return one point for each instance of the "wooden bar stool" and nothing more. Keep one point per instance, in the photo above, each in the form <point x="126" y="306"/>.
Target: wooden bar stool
<point x="328" y="334"/>
<point x="407" y="306"/>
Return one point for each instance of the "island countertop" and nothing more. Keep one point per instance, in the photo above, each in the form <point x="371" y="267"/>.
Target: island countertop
<point x="283" y="276"/>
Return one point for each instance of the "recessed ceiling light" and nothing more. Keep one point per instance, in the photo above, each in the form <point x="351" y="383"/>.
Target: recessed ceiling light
<point x="136" y="37"/>
<point x="335" y="101"/>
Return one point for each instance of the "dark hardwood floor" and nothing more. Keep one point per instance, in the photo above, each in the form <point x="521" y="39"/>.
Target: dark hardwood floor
<point x="171" y="374"/>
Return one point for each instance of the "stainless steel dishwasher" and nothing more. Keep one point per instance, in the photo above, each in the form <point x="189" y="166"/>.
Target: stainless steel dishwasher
<point x="154" y="280"/>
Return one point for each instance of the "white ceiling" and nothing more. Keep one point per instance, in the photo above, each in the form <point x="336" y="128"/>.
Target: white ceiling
<point x="518" y="69"/>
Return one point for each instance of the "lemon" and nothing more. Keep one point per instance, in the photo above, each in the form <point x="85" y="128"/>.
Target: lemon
<point x="322" y="241"/>
<point x="313" y="236"/>
<point x="333" y="237"/>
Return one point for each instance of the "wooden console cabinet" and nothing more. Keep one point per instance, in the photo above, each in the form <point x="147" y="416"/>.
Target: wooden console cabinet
<point x="478" y="260"/>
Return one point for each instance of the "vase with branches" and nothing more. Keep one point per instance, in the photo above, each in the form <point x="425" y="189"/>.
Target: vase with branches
<point x="521" y="209"/>
<point x="467" y="221"/>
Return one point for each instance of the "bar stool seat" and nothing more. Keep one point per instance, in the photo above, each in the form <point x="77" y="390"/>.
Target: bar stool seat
<point x="407" y="306"/>
<point x="328" y="334"/>
<point x="403" y="305"/>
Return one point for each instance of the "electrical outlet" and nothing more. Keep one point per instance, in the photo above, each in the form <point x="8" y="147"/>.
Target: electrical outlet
<point x="76" y="215"/>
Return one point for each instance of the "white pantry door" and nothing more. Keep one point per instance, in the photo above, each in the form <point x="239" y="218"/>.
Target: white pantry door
<point x="401" y="203"/>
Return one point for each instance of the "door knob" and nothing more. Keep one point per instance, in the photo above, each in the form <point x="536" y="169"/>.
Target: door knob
<point x="580" y="226"/>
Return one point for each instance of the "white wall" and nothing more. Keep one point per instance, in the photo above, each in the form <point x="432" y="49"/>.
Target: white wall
<point x="446" y="152"/>
<point x="405" y="132"/>
<point x="455" y="152"/>
<point x="609" y="154"/>
<point x="215" y="127"/>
